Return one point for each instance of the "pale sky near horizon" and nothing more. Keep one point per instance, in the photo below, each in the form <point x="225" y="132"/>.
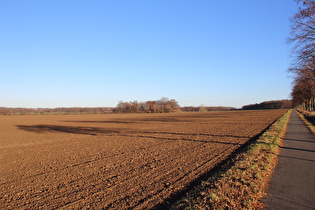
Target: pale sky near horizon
<point x="94" y="53"/>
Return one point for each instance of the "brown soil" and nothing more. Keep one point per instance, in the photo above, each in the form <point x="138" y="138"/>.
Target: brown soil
<point x="115" y="161"/>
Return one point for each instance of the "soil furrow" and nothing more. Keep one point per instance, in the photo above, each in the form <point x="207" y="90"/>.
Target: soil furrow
<point x="130" y="161"/>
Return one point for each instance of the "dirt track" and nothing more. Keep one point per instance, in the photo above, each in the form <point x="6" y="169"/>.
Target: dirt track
<point x="114" y="161"/>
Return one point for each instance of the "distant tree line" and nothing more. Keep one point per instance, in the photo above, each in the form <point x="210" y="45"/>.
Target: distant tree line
<point x="279" y="104"/>
<point x="164" y="105"/>
<point x="302" y="37"/>
<point x="57" y="111"/>
<point x="206" y="108"/>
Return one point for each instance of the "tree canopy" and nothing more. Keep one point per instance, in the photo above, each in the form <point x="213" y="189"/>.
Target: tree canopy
<point x="164" y="105"/>
<point x="302" y="38"/>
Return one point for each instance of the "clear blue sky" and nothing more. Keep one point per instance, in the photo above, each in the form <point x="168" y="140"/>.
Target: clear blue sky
<point x="94" y="53"/>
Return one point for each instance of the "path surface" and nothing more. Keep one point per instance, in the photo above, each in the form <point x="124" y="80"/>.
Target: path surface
<point x="292" y="184"/>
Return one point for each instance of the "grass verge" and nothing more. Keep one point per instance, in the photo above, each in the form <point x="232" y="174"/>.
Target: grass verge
<point x="242" y="185"/>
<point x="308" y="119"/>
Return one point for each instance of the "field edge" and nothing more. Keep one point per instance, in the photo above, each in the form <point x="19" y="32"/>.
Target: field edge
<point x="241" y="181"/>
<point x="307" y="119"/>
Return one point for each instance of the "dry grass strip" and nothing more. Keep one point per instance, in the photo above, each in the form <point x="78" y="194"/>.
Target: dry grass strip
<point x="242" y="185"/>
<point x="303" y="115"/>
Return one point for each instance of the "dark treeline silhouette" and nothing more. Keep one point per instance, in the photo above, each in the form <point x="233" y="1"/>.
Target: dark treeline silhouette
<point x="206" y="108"/>
<point x="62" y="110"/>
<point x="302" y="37"/>
<point x="164" y="105"/>
<point x="279" y="104"/>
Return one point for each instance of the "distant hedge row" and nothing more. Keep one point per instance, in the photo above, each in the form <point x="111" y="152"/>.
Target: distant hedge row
<point x="281" y="104"/>
<point x="56" y="111"/>
<point x="164" y="105"/>
<point x="206" y="108"/>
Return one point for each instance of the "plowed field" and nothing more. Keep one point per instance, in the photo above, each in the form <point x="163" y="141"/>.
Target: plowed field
<point x="115" y="161"/>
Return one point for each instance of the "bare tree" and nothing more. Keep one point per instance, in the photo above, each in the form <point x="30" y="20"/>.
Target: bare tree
<point x="160" y="106"/>
<point x="302" y="37"/>
<point x="302" y="34"/>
